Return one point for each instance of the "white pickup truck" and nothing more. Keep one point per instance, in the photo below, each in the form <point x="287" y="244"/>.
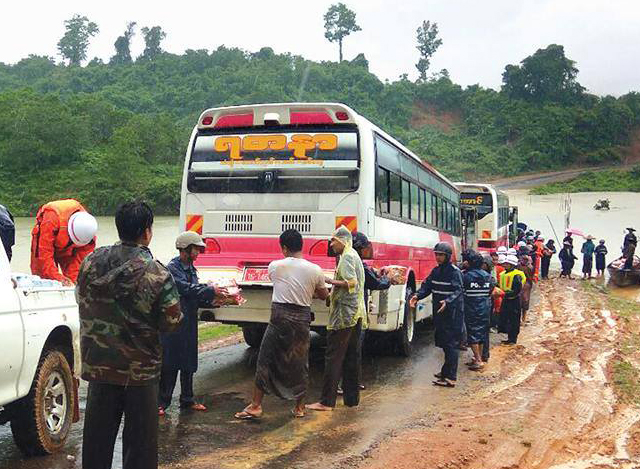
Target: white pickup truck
<point x="39" y="361"/>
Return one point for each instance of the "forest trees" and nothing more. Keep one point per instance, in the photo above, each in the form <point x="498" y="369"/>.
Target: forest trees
<point x="546" y="76"/>
<point x="152" y="39"/>
<point x="339" y="22"/>
<point x="123" y="46"/>
<point x="73" y="45"/>
<point x="428" y="43"/>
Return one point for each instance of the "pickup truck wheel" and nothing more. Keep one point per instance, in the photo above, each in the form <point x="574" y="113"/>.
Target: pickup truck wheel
<point x="406" y="332"/>
<point x="42" y="419"/>
<point x="253" y="334"/>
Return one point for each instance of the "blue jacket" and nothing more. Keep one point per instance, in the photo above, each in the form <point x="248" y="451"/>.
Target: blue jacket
<point x="180" y="348"/>
<point x="445" y="283"/>
<point x="477" y="302"/>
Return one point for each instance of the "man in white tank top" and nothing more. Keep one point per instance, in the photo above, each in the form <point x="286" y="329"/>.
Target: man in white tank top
<point x="283" y="360"/>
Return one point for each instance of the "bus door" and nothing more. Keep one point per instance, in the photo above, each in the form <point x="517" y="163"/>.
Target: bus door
<point x="513" y="225"/>
<point x="469" y="227"/>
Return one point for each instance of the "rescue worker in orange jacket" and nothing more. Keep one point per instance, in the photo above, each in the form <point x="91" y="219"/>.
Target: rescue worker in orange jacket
<point x="64" y="234"/>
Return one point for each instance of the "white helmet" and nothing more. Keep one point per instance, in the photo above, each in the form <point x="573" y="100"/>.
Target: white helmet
<point x="502" y="250"/>
<point x="512" y="252"/>
<point x="502" y="259"/>
<point x="82" y="228"/>
<point x="513" y="260"/>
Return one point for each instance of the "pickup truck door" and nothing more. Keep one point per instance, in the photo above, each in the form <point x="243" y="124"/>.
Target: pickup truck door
<point x="11" y="334"/>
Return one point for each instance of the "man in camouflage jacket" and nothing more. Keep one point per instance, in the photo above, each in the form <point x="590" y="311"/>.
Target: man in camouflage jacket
<point x="126" y="298"/>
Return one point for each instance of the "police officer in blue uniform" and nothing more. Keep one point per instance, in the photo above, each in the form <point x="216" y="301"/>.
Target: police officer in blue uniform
<point x="478" y="285"/>
<point x="445" y="284"/>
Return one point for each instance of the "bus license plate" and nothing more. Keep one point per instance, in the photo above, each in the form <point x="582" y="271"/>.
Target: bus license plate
<point x="256" y="275"/>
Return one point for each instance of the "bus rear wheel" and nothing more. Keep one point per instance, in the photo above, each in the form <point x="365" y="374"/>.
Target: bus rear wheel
<point x="253" y="334"/>
<point x="406" y="332"/>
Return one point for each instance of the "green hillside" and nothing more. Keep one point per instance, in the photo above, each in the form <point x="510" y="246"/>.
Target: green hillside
<point x="106" y="132"/>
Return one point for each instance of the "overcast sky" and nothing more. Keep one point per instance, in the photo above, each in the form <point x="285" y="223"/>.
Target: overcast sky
<point x="479" y="37"/>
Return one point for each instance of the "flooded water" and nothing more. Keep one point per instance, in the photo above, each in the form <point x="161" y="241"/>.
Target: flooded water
<point x="547" y="212"/>
<point x="541" y="212"/>
<point x="165" y="230"/>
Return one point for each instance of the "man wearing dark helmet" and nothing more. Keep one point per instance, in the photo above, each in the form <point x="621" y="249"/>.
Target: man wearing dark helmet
<point x="445" y="283"/>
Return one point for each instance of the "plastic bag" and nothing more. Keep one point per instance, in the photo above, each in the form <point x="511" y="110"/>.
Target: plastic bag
<point x="396" y="274"/>
<point x="229" y="293"/>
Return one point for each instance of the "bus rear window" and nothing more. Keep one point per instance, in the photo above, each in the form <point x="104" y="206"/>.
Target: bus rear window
<point x="317" y="160"/>
<point x="249" y="149"/>
<point x="482" y="202"/>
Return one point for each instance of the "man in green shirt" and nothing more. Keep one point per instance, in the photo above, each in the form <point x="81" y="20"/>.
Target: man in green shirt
<point x="347" y="317"/>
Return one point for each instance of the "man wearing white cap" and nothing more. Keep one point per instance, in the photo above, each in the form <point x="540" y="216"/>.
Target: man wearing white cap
<point x="511" y="282"/>
<point x="64" y="234"/>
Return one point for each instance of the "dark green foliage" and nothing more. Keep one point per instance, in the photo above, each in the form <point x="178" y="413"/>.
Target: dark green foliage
<point x="106" y="132"/>
<point x="428" y="43"/>
<point x="122" y="45"/>
<point x="152" y="39"/>
<point x="74" y="43"/>
<point x="339" y="22"/>
<point x="548" y="75"/>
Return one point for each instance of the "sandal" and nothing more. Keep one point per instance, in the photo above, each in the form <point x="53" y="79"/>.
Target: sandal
<point x="437" y="375"/>
<point x="246" y="415"/>
<point x="297" y="413"/>
<point x="198" y="407"/>
<point x="445" y="383"/>
<point x="161" y="412"/>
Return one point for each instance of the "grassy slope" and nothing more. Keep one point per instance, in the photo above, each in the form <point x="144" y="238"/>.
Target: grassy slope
<point x="601" y="181"/>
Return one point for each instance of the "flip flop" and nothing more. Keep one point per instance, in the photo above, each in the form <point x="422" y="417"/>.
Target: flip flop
<point x="444" y="383"/>
<point x="198" y="407"/>
<point x="161" y="412"/>
<point x="246" y="415"/>
<point x="297" y="415"/>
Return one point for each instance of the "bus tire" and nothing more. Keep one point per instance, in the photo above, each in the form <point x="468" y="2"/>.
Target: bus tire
<point x="42" y="419"/>
<point x="253" y="334"/>
<point x="405" y="334"/>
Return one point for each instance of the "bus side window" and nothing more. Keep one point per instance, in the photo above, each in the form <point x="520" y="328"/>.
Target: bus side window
<point x="395" y="194"/>
<point x="405" y="199"/>
<point x="434" y="210"/>
<point x="415" y="203"/>
<point x="421" y="207"/>
<point x="382" y="190"/>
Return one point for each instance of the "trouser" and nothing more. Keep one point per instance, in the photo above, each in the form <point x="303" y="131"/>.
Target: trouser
<point x="449" y="368"/>
<point x="106" y="404"/>
<point x="485" y="346"/>
<point x="514" y="315"/>
<point x="342" y="360"/>
<point x="168" y="379"/>
<point x="544" y="266"/>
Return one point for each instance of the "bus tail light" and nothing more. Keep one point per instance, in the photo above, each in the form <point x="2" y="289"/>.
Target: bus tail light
<point x="310" y="118"/>
<point x="342" y="116"/>
<point x="235" y="120"/>
<point x="212" y="246"/>
<point x="207" y="120"/>
<point x="320" y="248"/>
<point x="486" y="234"/>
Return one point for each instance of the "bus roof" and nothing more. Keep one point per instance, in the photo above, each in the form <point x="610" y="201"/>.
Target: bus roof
<point x="254" y="115"/>
<point x="486" y="188"/>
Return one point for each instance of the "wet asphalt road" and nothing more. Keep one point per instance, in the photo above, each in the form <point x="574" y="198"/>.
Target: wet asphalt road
<point x="396" y="388"/>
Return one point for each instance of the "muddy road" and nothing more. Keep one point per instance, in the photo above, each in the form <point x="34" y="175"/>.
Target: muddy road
<point x="548" y="402"/>
<point x="214" y="439"/>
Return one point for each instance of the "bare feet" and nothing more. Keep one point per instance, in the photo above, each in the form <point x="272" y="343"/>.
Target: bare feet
<point x="199" y="407"/>
<point x="318" y="406"/>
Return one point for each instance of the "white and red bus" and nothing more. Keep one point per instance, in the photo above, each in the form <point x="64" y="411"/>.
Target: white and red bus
<point x="493" y="213"/>
<point x="253" y="171"/>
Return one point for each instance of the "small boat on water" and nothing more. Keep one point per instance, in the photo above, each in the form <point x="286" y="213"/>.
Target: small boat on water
<point x="624" y="277"/>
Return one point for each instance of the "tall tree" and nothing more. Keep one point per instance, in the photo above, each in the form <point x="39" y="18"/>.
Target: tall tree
<point x="428" y="43"/>
<point x="152" y="39"/>
<point x="546" y="76"/>
<point x="123" y="46"/>
<point x="339" y="22"/>
<point x="73" y="45"/>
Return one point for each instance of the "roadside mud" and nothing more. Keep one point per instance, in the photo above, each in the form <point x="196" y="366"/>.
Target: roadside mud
<point x="553" y="405"/>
